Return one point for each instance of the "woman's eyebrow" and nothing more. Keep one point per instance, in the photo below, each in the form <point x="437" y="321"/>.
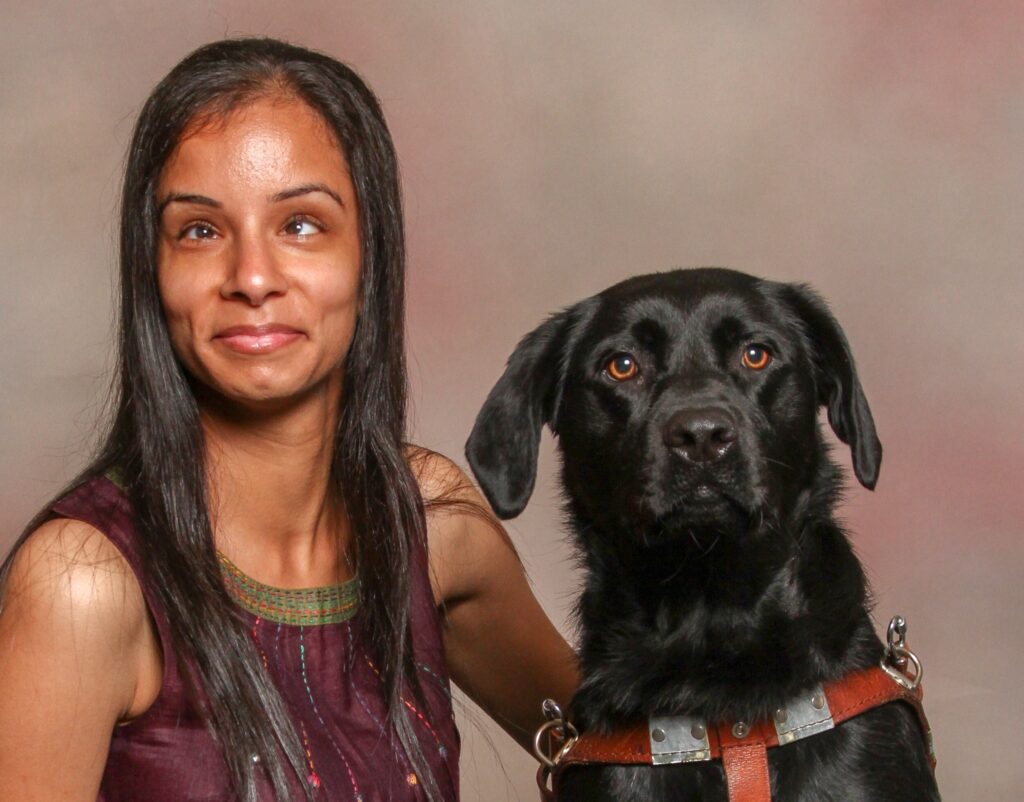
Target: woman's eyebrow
<point x="293" y="192"/>
<point x="185" y="197"/>
<point x="306" y="189"/>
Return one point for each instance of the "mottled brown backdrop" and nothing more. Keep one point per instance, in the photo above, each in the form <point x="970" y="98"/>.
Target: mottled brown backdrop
<point x="872" y="148"/>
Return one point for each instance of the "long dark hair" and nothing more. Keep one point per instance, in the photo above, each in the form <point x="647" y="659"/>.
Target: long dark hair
<point x="156" y="443"/>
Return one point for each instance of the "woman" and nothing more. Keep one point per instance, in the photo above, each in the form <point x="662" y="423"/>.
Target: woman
<point x="240" y="597"/>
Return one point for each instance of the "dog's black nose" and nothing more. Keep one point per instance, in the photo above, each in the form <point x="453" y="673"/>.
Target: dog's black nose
<point x="703" y="434"/>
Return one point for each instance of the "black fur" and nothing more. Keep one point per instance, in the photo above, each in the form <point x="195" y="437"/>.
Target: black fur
<point x="701" y="496"/>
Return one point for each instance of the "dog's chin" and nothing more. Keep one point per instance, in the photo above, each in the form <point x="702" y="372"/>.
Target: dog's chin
<point x="703" y="515"/>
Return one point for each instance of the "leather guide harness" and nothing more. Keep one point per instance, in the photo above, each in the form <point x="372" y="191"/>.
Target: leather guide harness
<point x="741" y="746"/>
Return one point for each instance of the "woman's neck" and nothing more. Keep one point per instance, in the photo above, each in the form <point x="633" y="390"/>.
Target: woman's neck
<point x="268" y="472"/>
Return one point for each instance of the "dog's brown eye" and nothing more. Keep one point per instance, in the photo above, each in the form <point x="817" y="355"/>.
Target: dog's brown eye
<point x="756" y="357"/>
<point x="621" y="367"/>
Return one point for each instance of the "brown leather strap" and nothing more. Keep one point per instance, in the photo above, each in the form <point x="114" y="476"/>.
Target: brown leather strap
<point x="745" y="759"/>
<point x="744" y="751"/>
<point x="625" y="747"/>
<point x="873" y="687"/>
<point x="746" y="773"/>
<point x="628" y="746"/>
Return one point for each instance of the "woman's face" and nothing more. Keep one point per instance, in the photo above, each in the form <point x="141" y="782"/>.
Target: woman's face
<point x="259" y="255"/>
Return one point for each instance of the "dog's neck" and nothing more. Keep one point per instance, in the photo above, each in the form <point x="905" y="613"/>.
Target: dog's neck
<point x="726" y="632"/>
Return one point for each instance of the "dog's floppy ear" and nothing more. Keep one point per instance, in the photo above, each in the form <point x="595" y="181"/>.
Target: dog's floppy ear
<point x="502" y="448"/>
<point x="838" y="386"/>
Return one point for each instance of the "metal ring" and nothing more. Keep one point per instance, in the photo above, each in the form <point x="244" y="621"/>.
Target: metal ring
<point x="571" y="737"/>
<point x="908" y="681"/>
<point x="543" y="781"/>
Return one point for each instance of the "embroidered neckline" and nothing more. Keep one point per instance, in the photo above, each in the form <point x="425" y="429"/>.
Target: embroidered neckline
<point x="114" y="475"/>
<point x="331" y="604"/>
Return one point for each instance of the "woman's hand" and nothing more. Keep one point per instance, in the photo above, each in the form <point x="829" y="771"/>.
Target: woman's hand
<point x="502" y="649"/>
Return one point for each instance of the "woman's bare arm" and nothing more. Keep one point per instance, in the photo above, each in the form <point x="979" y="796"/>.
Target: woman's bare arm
<point x="74" y="633"/>
<point x="502" y="649"/>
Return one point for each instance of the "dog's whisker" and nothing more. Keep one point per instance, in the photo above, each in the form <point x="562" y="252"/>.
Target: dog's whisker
<point x="712" y="546"/>
<point x="667" y="580"/>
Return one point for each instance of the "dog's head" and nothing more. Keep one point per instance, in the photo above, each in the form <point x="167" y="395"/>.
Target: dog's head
<point x="681" y="400"/>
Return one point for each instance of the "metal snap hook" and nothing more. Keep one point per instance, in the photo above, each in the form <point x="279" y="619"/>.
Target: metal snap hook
<point x="896" y="638"/>
<point x="899" y="662"/>
<point x="555" y="727"/>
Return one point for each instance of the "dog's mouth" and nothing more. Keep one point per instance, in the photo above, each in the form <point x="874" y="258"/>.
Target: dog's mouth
<point x="705" y="510"/>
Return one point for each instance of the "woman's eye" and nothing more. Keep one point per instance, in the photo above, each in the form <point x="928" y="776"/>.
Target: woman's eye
<point x="621" y="367"/>
<point x="302" y="227"/>
<point x="756" y="357"/>
<point x="198" y="231"/>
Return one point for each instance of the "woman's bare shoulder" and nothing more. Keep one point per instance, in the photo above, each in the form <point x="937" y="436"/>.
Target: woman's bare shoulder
<point x="73" y="627"/>
<point x="73" y="563"/>
<point x="440" y="478"/>
<point x="467" y="544"/>
<point x="69" y="585"/>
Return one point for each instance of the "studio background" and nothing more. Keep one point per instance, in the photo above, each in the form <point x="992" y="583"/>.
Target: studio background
<point x="871" y="148"/>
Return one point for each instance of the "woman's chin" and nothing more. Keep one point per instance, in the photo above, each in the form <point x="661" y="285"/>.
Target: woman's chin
<point x="264" y="397"/>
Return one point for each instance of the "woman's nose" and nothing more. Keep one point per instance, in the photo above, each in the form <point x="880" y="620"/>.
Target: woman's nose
<point x="253" y="274"/>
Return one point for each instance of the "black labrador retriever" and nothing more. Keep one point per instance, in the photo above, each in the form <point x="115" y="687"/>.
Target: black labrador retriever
<point x="719" y="587"/>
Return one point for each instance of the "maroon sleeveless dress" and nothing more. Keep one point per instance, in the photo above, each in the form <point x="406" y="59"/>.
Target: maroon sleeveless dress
<point x="311" y="645"/>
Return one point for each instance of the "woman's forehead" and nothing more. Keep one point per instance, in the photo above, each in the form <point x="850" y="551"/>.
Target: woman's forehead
<point x="267" y="142"/>
<point x="219" y="114"/>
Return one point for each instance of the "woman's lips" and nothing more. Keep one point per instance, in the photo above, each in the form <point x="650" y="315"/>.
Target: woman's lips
<point x="257" y="339"/>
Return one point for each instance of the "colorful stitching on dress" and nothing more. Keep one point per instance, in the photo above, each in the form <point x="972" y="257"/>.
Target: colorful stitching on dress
<point x="410" y="778"/>
<point x="316" y="711"/>
<point x="437" y="738"/>
<point x="332" y="604"/>
<point x="445" y="689"/>
<point x="313" y="778"/>
<point x="256" y="640"/>
<point x="441" y="683"/>
<point x="399" y="753"/>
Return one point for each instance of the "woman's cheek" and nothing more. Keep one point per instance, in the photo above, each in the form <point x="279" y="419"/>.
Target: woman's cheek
<point x="178" y="310"/>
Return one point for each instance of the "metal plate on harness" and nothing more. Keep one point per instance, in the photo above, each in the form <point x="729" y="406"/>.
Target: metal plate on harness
<point x="803" y="716"/>
<point x="678" y="739"/>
